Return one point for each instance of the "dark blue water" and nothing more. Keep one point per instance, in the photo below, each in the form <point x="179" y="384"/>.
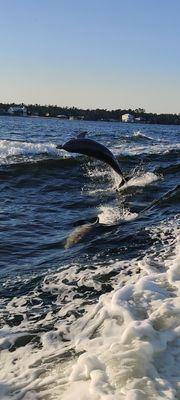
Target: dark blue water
<point x="48" y="197"/>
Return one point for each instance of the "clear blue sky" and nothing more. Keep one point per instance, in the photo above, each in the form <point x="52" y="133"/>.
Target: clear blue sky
<point x="91" y="53"/>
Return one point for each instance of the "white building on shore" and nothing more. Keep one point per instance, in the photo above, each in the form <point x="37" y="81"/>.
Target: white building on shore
<point x="127" y="118"/>
<point x="18" y="110"/>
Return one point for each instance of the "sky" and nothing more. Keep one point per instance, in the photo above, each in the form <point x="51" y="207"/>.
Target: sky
<point x="91" y="53"/>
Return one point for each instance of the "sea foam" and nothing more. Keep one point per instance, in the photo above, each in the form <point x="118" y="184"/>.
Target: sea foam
<point x="125" y="346"/>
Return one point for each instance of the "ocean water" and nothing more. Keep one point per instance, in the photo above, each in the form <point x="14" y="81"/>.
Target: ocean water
<point x="89" y="310"/>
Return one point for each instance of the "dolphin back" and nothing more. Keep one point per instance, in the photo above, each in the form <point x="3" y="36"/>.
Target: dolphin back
<point x="93" y="149"/>
<point x="85" y="146"/>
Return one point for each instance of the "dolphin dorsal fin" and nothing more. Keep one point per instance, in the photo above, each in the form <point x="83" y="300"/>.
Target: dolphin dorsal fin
<point x="81" y="135"/>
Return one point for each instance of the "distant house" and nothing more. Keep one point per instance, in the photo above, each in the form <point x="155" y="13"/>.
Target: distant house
<point x="17" y="110"/>
<point x="127" y="118"/>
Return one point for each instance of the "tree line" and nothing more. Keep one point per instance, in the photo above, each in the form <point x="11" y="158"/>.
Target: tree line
<point x="95" y="115"/>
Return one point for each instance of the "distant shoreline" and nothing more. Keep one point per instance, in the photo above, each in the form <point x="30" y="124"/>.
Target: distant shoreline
<point x="72" y="113"/>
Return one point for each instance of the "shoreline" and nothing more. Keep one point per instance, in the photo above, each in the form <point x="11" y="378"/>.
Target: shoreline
<point x="90" y="120"/>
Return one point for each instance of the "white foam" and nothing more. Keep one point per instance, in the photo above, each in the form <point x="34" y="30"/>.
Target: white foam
<point x="106" y="175"/>
<point x="110" y="215"/>
<point x="131" y="347"/>
<point x="96" y="172"/>
<point x="124" y="347"/>
<point x="113" y="181"/>
<point x="131" y="150"/>
<point x="141" y="180"/>
<point x="10" y="149"/>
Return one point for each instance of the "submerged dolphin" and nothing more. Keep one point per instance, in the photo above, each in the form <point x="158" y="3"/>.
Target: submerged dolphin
<point x="80" y="232"/>
<point x="93" y="149"/>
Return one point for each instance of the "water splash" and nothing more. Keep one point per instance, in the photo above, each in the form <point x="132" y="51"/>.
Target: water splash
<point x="110" y="215"/>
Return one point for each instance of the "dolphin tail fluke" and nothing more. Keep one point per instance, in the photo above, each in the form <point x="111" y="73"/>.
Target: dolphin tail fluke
<point x="122" y="183"/>
<point x="124" y="180"/>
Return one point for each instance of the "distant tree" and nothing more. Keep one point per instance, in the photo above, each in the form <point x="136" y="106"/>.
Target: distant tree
<point x="139" y="110"/>
<point x="97" y="114"/>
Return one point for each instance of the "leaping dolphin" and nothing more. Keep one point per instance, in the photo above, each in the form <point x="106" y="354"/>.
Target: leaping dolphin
<point x="91" y="148"/>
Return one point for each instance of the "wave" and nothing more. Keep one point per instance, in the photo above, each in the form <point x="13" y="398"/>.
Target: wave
<point x="172" y="196"/>
<point x="125" y="346"/>
<point x="17" y="147"/>
<point x="14" y="152"/>
<point x="173" y="168"/>
<point x="140" y="135"/>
